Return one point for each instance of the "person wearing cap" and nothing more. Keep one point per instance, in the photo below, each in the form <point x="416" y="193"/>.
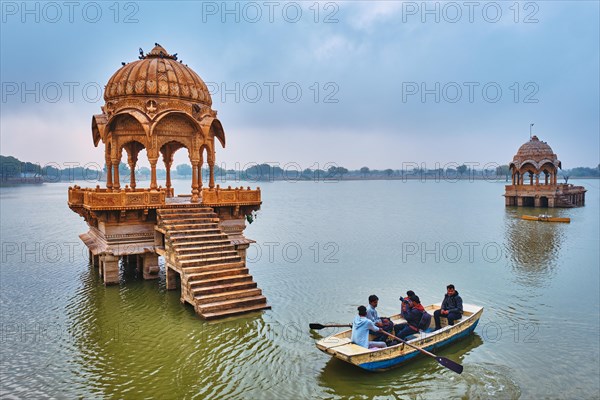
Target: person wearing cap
<point x="360" y="330"/>
<point x="452" y="308"/>
<point x="413" y="317"/>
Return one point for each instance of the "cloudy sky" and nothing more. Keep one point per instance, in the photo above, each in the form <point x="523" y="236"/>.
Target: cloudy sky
<point x="356" y="83"/>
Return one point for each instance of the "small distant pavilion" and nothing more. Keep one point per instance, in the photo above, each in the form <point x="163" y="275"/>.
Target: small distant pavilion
<point x="534" y="171"/>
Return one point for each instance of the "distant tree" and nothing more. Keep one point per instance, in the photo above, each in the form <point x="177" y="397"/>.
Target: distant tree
<point x="503" y="170"/>
<point x="342" y="171"/>
<point x="389" y="172"/>
<point x="365" y="171"/>
<point x="142" y="173"/>
<point x="184" y="170"/>
<point x="124" y="169"/>
<point x="318" y="174"/>
<point x="336" y="172"/>
<point x="462" y="169"/>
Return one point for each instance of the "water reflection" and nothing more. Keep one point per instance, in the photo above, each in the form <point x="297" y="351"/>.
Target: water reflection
<point x="134" y="340"/>
<point x="533" y="246"/>
<point x="421" y="378"/>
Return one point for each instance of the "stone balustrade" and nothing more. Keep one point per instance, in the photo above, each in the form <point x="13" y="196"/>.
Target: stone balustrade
<point x="108" y="199"/>
<point x="561" y="187"/>
<point x="230" y="196"/>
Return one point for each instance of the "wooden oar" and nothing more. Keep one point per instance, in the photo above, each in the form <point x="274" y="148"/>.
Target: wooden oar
<point x="319" y="326"/>
<point x="443" y="361"/>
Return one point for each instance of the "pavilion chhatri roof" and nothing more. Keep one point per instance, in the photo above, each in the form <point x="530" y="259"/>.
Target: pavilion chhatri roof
<point x="157" y="74"/>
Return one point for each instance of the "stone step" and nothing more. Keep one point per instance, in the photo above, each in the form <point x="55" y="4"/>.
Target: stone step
<point x="196" y="279"/>
<point x="179" y="232"/>
<point x="193" y="238"/>
<point x="199" y="255"/>
<point x="234" y="294"/>
<point x="213" y="267"/>
<point x="234" y="311"/>
<point x="220" y="281"/>
<point x="204" y="243"/>
<point x="230" y="287"/>
<point x="184" y="210"/>
<point x="191" y="225"/>
<point x="220" y="306"/>
<point x="198" y="219"/>
<point x="209" y="261"/>
<point x="183" y="250"/>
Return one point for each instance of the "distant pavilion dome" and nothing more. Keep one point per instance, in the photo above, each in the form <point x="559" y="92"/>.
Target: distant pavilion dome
<point x="536" y="153"/>
<point x="157" y="74"/>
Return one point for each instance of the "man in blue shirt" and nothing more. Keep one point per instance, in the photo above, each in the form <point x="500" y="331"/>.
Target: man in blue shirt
<point x="360" y="330"/>
<point x="383" y="323"/>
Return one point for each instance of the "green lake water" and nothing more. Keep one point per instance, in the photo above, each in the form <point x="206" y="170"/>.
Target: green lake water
<point x="321" y="249"/>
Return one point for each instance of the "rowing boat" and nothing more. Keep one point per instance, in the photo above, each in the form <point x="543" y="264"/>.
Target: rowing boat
<point x="340" y="346"/>
<point x="545" y="218"/>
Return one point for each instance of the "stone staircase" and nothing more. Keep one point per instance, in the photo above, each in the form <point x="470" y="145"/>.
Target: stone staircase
<point x="214" y="278"/>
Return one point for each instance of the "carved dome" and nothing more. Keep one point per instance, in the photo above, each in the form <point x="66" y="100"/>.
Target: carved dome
<point x="159" y="74"/>
<point x="535" y="152"/>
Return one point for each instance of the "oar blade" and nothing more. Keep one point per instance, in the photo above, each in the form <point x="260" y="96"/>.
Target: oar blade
<point x="451" y="365"/>
<point x="316" y="326"/>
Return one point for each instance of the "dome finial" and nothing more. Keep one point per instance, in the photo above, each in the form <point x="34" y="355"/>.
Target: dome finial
<point x="159" y="52"/>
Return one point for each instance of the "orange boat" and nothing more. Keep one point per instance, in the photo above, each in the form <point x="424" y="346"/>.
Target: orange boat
<point x="545" y="218"/>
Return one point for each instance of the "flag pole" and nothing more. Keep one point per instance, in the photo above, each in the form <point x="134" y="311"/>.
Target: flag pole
<point x="530" y="126"/>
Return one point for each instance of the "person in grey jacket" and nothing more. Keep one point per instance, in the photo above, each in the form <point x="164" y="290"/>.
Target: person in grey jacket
<point x="452" y="307"/>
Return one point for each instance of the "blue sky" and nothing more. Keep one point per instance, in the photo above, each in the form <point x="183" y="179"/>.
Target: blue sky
<point x="361" y="68"/>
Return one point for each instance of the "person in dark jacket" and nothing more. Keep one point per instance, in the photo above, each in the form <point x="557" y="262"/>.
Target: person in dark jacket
<point x="452" y="308"/>
<point x="406" y="302"/>
<point x="412" y="316"/>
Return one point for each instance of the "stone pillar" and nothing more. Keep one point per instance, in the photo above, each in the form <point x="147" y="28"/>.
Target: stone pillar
<point x="110" y="270"/>
<point x="211" y="174"/>
<point x="537" y="179"/>
<point x="551" y="201"/>
<point x="171" y="277"/>
<point x="519" y="201"/>
<point x="153" y="184"/>
<point x="151" y="267"/>
<point x="116" y="184"/>
<point x="139" y="262"/>
<point x="200" y="178"/>
<point x="195" y="191"/>
<point x="537" y="202"/>
<point x="108" y="173"/>
<point x="132" y="160"/>
<point x="94" y="260"/>
<point x="168" y="180"/>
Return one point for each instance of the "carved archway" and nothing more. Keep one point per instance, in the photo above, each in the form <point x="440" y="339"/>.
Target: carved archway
<point x="168" y="150"/>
